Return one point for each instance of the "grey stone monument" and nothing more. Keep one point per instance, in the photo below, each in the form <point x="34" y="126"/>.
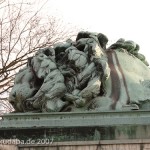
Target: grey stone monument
<point x="81" y="90"/>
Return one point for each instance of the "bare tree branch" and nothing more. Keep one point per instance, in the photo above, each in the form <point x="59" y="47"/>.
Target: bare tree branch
<point x="22" y="33"/>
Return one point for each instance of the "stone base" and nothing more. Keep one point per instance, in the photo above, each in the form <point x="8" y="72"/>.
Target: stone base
<point x="88" y="126"/>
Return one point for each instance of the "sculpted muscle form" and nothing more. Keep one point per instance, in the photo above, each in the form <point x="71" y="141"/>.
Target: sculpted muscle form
<point x="83" y="75"/>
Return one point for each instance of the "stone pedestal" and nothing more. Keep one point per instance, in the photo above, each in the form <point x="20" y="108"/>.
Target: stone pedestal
<point x="66" y="128"/>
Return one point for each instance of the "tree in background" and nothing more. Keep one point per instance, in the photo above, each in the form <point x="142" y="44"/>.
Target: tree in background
<point x="23" y="30"/>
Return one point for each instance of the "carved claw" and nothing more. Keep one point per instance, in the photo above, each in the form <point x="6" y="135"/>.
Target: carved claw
<point x="80" y="102"/>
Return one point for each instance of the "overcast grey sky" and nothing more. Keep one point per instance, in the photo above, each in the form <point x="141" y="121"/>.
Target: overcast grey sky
<point x="128" y="19"/>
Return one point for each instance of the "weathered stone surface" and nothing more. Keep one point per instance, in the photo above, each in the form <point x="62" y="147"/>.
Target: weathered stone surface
<point x="75" y="126"/>
<point x="83" y="75"/>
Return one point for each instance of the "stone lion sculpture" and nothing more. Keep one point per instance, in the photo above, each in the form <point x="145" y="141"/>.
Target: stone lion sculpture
<point x="83" y="75"/>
